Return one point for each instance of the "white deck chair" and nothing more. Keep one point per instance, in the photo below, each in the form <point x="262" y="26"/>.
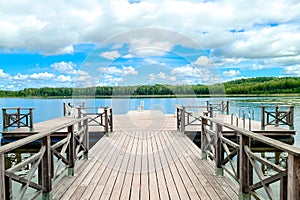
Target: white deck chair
<point x="141" y="106"/>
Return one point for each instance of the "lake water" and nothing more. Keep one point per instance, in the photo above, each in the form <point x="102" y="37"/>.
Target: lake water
<point x="45" y="109"/>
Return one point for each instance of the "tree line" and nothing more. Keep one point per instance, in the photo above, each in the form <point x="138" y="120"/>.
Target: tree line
<point x="259" y="85"/>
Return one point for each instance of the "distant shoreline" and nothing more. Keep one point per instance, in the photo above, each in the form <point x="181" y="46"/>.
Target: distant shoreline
<point x="159" y="96"/>
<point x="260" y="86"/>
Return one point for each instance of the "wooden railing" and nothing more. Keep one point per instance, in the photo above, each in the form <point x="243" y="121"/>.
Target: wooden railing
<point x="190" y="115"/>
<point x="97" y="116"/>
<point x="280" y="116"/>
<point x="239" y="161"/>
<point x="222" y="107"/>
<point x="15" y="117"/>
<point x="187" y="117"/>
<point x="49" y="163"/>
<point x="103" y="117"/>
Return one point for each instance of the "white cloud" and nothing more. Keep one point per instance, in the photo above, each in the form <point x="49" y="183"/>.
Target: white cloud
<point x="68" y="68"/>
<point x="258" y="67"/>
<point x="20" y="77"/>
<point x="64" y="67"/>
<point x="33" y="26"/>
<point x="62" y="78"/>
<point x="206" y="75"/>
<point x="186" y="71"/>
<point x="128" y="56"/>
<point x="124" y="71"/>
<point x="203" y="61"/>
<point x="231" y="73"/>
<point x="66" y="50"/>
<point x="110" y="55"/>
<point x="292" y="70"/>
<point x="161" y="77"/>
<point x="147" y="47"/>
<point x="3" y="74"/>
<point x="110" y="80"/>
<point x="42" y="76"/>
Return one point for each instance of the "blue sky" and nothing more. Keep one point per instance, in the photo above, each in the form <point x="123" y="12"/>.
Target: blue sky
<point x="120" y="42"/>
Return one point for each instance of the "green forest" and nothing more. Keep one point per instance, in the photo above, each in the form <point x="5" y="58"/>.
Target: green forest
<point x="253" y="86"/>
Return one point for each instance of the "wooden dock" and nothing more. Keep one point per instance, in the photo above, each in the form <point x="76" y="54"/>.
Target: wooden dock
<point x="145" y="165"/>
<point x="147" y="156"/>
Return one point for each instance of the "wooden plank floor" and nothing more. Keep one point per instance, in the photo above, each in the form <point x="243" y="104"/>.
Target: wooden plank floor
<point x="144" y="120"/>
<point x="145" y="165"/>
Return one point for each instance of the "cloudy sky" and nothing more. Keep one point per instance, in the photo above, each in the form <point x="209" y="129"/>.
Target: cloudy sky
<point x="121" y="42"/>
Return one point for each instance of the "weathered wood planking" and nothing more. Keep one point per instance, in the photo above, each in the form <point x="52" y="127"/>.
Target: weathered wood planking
<point x="144" y="120"/>
<point x="145" y="165"/>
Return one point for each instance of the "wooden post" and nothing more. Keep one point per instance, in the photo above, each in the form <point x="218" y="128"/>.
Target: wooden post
<point x="219" y="152"/>
<point x="2" y="177"/>
<point x="293" y="177"/>
<point x="8" y="186"/>
<point x="65" y="110"/>
<point x="222" y="107"/>
<point x="5" y="124"/>
<point x="31" y="119"/>
<point x="182" y="127"/>
<point x="106" y="120"/>
<point x="277" y="115"/>
<point x="244" y="169"/>
<point x="46" y="168"/>
<point x="203" y="138"/>
<point x="111" y="119"/>
<point x="211" y="111"/>
<point x="227" y="107"/>
<point x="79" y="115"/>
<point x="18" y="116"/>
<point x="71" y="153"/>
<point x="291" y="118"/>
<point x="177" y="118"/>
<point x="263" y="110"/>
<point x="211" y="114"/>
<point x="86" y="139"/>
<point x="283" y="187"/>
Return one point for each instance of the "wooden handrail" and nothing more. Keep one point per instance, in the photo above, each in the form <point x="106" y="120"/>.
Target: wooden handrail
<point x="214" y="145"/>
<point x="73" y="147"/>
<point x="19" y="143"/>
<point x="258" y="137"/>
